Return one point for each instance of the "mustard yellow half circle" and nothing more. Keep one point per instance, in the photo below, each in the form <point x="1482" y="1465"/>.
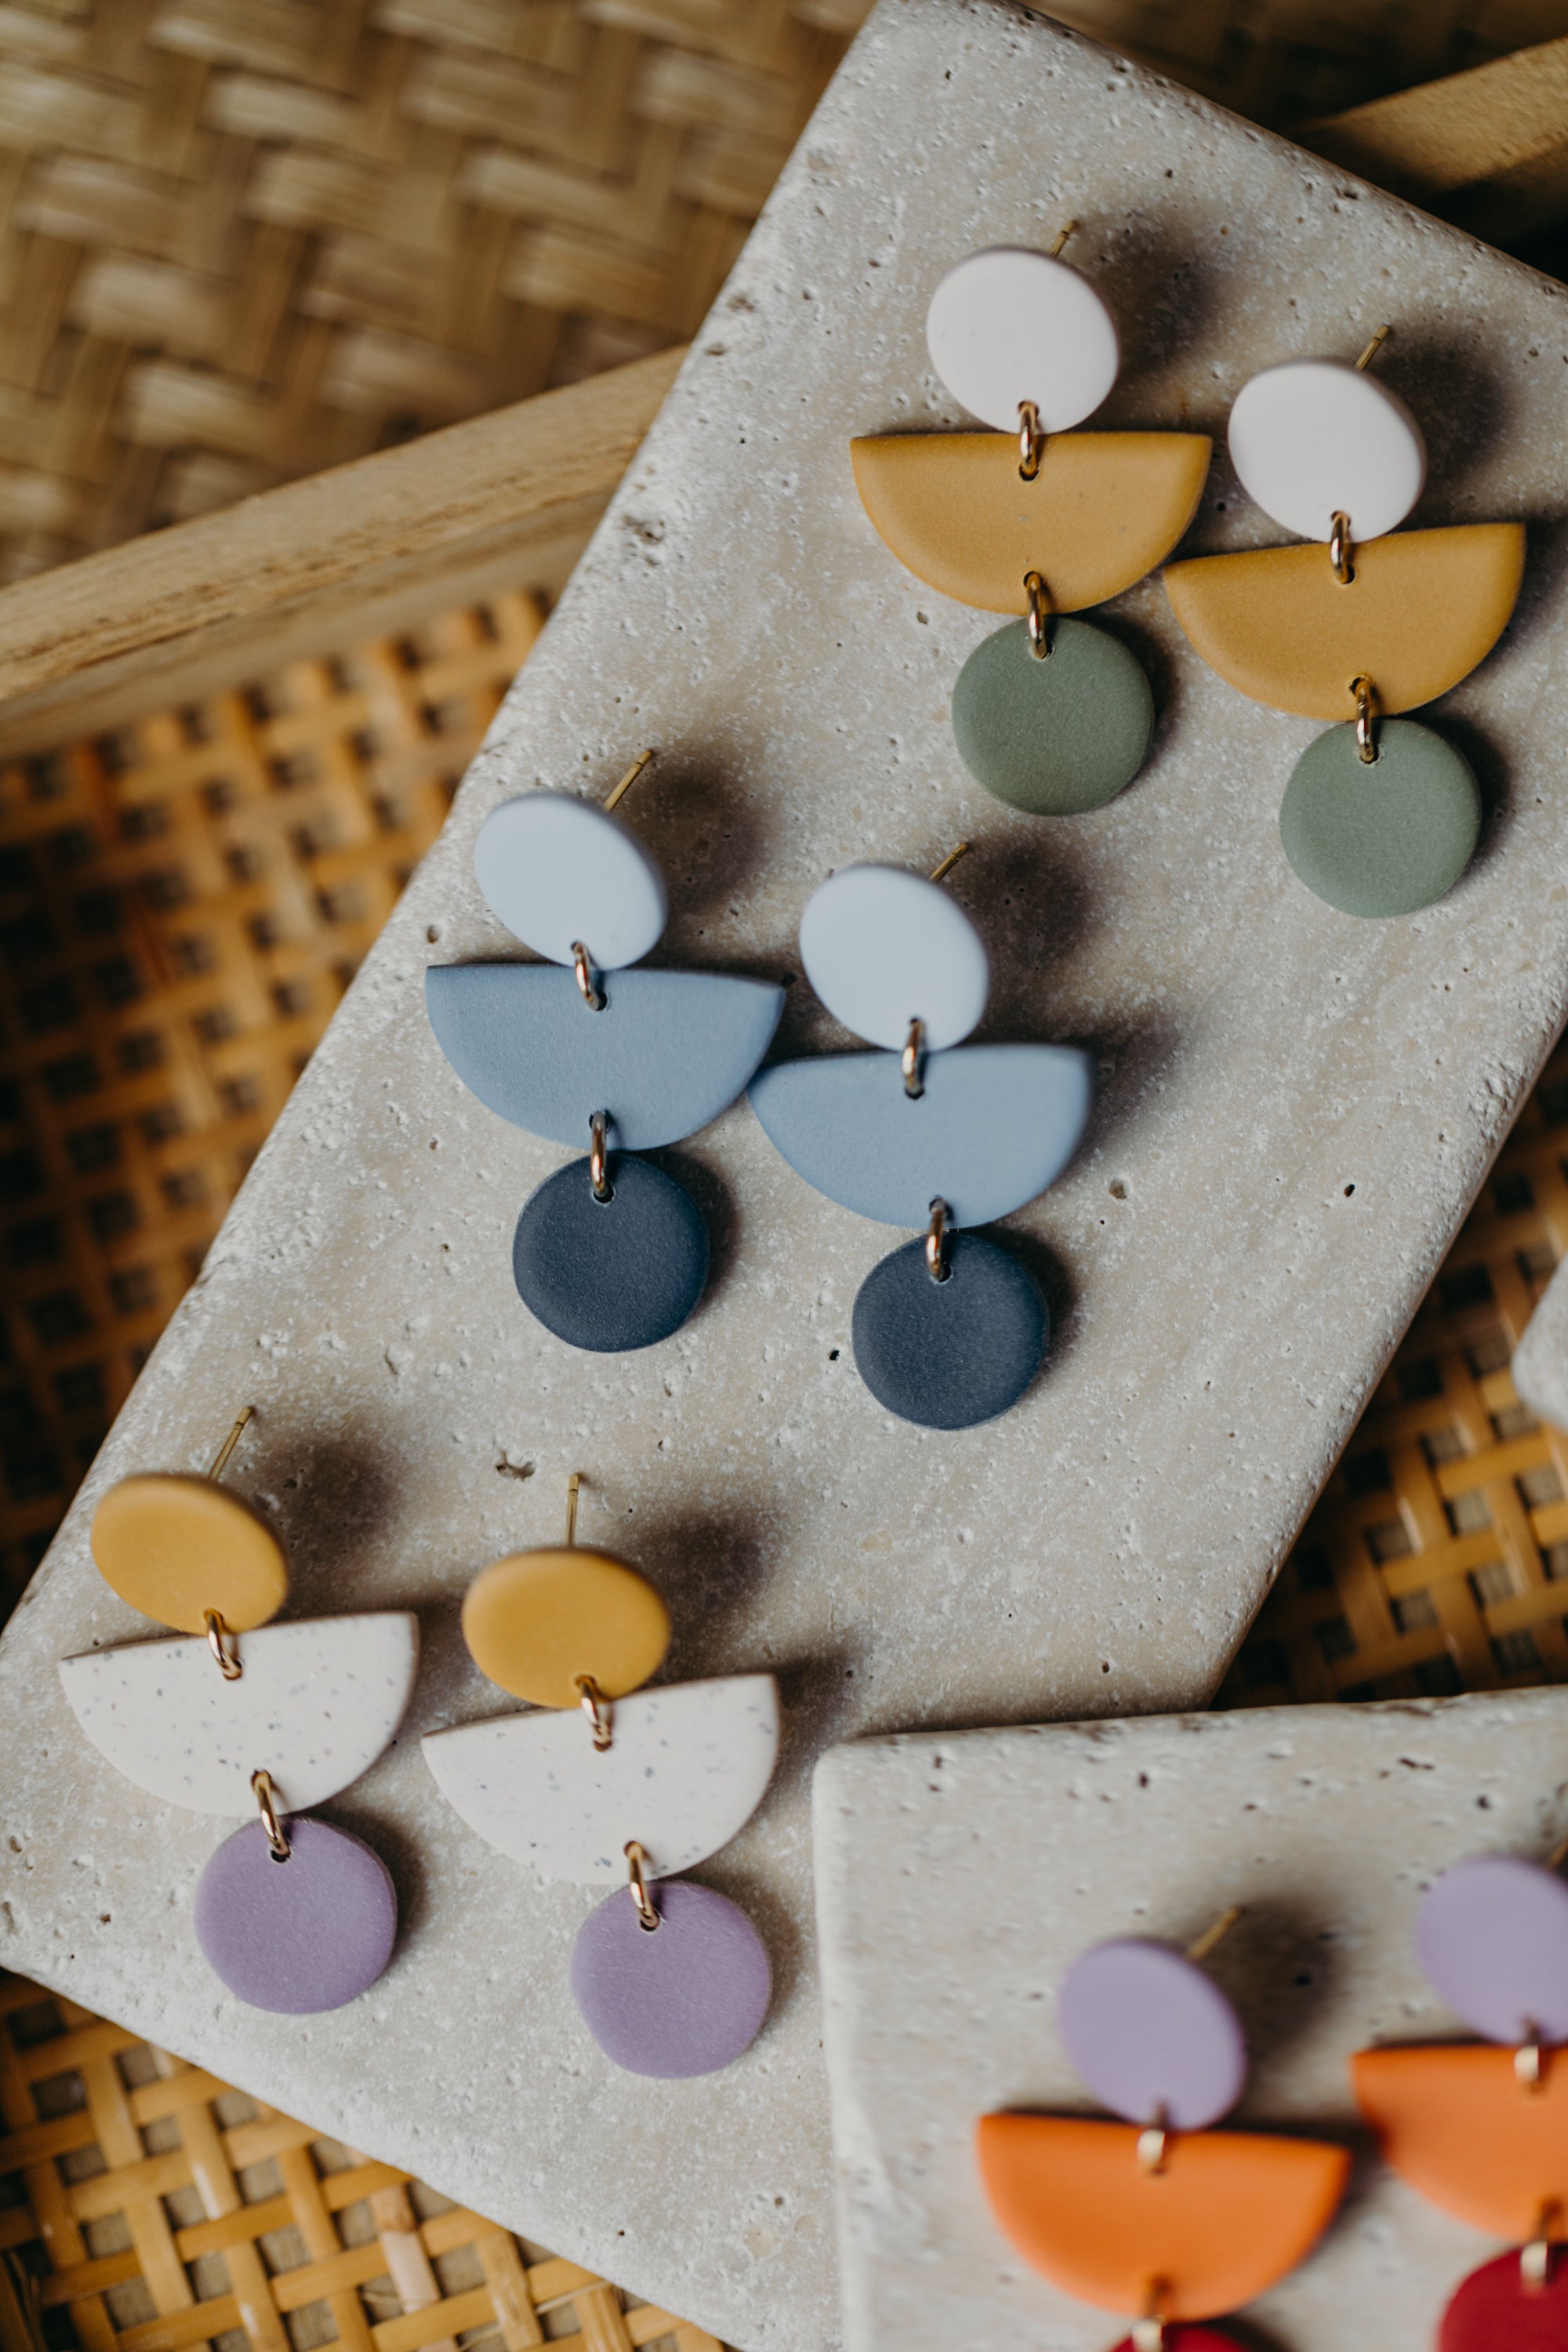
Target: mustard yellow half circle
<point x="1424" y="608"/>
<point x="1104" y="508"/>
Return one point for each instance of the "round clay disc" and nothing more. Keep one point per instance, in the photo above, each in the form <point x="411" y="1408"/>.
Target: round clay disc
<point x="534" y="1622"/>
<point x="1385" y="839"/>
<point x="1492" y="1935"/>
<point x="176" y="1545"/>
<point x="611" y="1276"/>
<point x="1494" y="2311"/>
<point x="1318" y="437"/>
<point x="298" y="1936"/>
<point x="883" y="947"/>
<point x="1056" y="736"/>
<point x="684" y="1997"/>
<point x="948" y="1354"/>
<point x="1188" y="2339"/>
<point x="557" y="870"/>
<point x="1150" y="2033"/>
<point x="1007" y="325"/>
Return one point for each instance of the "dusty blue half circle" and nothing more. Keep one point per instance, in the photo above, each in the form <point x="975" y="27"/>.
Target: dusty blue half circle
<point x="995" y="1125"/>
<point x="669" y="1053"/>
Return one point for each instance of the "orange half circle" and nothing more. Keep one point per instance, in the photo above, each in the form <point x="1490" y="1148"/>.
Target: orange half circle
<point x="1455" y="2123"/>
<point x="1104" y="508"/>
<point x="1230" y="2212"/>
<point x="1424" y="608"/>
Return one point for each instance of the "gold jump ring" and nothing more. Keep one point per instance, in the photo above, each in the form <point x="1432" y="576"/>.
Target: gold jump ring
<point x="223" y="1645"/>
<point x="648" y="1911"/>
<point x="599" y="1161"/>
<point x="597" y="1707"/>
<point x="1031" y="441"/>
<point x="1365" y="738"/>
<point x="936" y="1239"/>
<point x="592" y="997"/>
<point x="1039" y="611"/>
<point x="1340" y="549"/>
<point x="267" y="1800"/>
<point x="913" y="1059"/>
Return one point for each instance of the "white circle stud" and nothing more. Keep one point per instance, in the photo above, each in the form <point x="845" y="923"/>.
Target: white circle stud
<point x="883" y="947"/>
<point x="558" y="871"/>
<point x="1008" y="326"/>
<point x="1317" y="437"/>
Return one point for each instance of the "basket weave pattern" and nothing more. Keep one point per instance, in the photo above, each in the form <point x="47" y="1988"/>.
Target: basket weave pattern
<point x="181" y="907"/>
<point x="146" y="2207"/>
<point x="241" y="240"/>
<point x="1436" y="1559"/>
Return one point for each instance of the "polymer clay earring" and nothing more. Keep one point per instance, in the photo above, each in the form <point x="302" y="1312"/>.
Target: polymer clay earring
<point x="294" y="1914"/>
<point x="1380" y="815"/>
<point x="602" y="1787"/>
<point x="1049" y="714"/>
<point x="610" y="1253"/>
<point x="1481" y="2128"/>
<point x="1157" y="2216"/>
<point x="926" y="1132"/>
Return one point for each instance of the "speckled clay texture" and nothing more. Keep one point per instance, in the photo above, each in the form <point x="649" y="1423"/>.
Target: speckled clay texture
<point x="959" y="1878"/>
<point x="1294" y="1111"/>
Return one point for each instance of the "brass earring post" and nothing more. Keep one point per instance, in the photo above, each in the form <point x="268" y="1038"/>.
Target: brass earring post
<point x="628" y="779"/>
<point x="1214" y="1937"/>
<point x="1373" y="348"/>
<point x="220" y="1459"/>
<point x="1071" y="230"/>
<point x="940" y="873"/>
<point x="572" y="1483"/>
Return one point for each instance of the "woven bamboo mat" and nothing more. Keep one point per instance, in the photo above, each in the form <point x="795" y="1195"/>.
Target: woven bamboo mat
<point x="146" y="2207"/>
<point x="241" y="240"/>
<point x="181" y="907"/>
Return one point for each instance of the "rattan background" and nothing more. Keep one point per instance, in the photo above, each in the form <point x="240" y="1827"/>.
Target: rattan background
<point x="182" y="906"/>
<point x="244" y="240"/>
<point x="146" y="2207"/>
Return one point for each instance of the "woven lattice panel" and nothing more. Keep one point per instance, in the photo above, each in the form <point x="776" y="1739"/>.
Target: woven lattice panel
<point x="1436" y="1559"/>
<point x="181" y="907"/>
<point x="145" y="2207"/>
<point x="241" y="240"/>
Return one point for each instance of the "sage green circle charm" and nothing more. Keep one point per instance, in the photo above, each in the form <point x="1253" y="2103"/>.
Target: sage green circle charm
<point x="1386" y="836"/>
<point x="1055" y="735"/>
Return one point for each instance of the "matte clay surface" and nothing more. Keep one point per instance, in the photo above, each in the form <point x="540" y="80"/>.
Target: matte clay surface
<point x="681" y="1999"/>
<point x="314" y="1705"/>
<point x="1495" y="2312"/>
<point x="1104" y="508"/>
<point x="1314" y="438"/>
<point x="1425" y="607"/>
<point x="1227" y="2214"/>
<point x="1384" y="838"/>
<point x="685" y="1771"/>
<point x="994" y="1126"/>
<point x="1007" y="325"/>
<point x="558" y="871"/>
<point x="1055" y="734"/>
<point x="669" y="1051"/>
<point x="1492" y="1935"/>
<point x="960" y="1877"/>
<point x="301" y="1936"/>
<point x="1224" y="1304"/>
<point x="537" y="1621"/>
<point x="949" y="1355"/>
<point x="176" y="1547"/>
<point x="1454" y="2121"/>
<point x="1152" y="2035"/>
<point x="611" y="1276"/>
<point x="883" y="947"/>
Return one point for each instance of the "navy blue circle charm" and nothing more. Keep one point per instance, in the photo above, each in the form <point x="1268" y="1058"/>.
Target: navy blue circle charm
<point x="612" y="1274"/>
<point x="948" y="1354"/>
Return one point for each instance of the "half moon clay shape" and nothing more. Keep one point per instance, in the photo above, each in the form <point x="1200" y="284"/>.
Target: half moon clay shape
<point x="1424" y="608"/>
<point x="669" y="1053"/>
<point x="995" y="1125"/>
<point x="685" y="1769"/>
<point x="315" y="1704"/>
<point x="1453" y="2122"/>
<point x="1228" y="2214"/>
<point x="1104" y="508"/>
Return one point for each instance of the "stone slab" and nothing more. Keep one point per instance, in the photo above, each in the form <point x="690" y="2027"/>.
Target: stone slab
<point x="1295" y="1110"/>
<point x="958" y="1878"/>
<point x="1540" y="1364"/>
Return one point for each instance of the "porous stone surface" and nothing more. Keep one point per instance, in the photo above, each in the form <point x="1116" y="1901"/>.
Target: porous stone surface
<point x="1295" y="1109"/>
<point x="959" y="1878"/>
<point x="1540" y="1364"/>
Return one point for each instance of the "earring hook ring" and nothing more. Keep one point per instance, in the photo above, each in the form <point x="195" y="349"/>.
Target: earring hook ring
<point x="1365" y="737"/>
<point x="1038" y="616"/>
<point x="648" y="1910"/>
<point x="593" y="997"/>
<point x="598" y="1161"/>
<point x="267" y="1800"/>
<point x="935" y="1244"/>
<point x="223" y="1645"/>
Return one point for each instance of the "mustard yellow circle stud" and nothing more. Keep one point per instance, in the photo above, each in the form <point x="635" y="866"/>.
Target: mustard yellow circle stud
<point x="538" y="1620"/>
<point x="176" y="1547"/>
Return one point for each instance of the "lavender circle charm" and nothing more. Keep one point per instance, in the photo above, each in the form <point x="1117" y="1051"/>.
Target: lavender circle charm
<point x="684" y="1997"/>
<point x="1152" y="2035"/>
<point x="1492" y="1935"/>
<point x="298" y="1936"/>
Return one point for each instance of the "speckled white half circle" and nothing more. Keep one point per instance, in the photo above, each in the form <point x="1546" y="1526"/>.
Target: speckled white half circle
<point x="686" y="1770"/>
<point x="317" y="1703"/>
